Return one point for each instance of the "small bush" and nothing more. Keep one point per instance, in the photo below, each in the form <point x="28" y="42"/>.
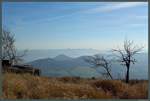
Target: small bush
<point x="115" y="87"/>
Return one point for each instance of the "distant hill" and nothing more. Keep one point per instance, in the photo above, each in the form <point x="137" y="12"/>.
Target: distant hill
<point x="63" y="65"/>
<point x="51" y="53"/>
<point x="62" y="57"/>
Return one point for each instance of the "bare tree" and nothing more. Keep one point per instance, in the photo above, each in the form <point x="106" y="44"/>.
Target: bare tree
<point x="9" y="51"/>
<point x="100" y="61"/>
<point x="126" y="55"/>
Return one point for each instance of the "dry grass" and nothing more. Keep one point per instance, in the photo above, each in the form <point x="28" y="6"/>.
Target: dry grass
<point x="26" y="86"/>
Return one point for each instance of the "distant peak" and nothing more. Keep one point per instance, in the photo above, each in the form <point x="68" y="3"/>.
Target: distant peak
<point x="62" y="57"/>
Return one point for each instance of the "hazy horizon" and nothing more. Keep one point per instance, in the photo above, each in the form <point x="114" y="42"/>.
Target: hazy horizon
<point x="104" y="50"/>
<point x="73" y="53"/>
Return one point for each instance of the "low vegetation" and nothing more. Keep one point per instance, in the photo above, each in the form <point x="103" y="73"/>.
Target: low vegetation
<point x="26" y="86"/>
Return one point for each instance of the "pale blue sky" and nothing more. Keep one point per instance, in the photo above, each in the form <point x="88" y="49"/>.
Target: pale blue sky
<point x="61" y="25"/>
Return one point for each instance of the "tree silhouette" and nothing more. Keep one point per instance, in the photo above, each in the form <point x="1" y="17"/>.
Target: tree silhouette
<point x="126" y="55"/>
<point x="9" y="51"/>
<point x="100" y="61"/>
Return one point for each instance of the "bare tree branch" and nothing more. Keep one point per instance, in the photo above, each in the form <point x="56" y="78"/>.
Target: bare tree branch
<point x="100" y="61"/>
<point x="9" y="51"/>
<point x="126" y="56"/>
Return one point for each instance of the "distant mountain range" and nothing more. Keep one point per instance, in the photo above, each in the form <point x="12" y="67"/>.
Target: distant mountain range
<point x="63" y="65"/>
<point x="51" y="53"/>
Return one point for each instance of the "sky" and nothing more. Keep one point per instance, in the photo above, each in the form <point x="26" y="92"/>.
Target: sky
<point x="76" y="25"/>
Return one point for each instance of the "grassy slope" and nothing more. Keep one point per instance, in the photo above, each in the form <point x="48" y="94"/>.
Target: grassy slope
<point x="26" y="86"/>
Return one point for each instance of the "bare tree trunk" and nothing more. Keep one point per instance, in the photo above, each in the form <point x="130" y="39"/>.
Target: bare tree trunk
<point x="127" y="75"/>
<point x="108" y="72"/>
<point x="110" y="76"/>
<point x="126" y="56"/>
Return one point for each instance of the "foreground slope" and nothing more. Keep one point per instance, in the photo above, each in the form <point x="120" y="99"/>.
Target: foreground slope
<point x="25" y="86"/>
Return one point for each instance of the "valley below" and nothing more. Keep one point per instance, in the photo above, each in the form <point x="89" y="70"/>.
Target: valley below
<point x="64" y="65"/>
